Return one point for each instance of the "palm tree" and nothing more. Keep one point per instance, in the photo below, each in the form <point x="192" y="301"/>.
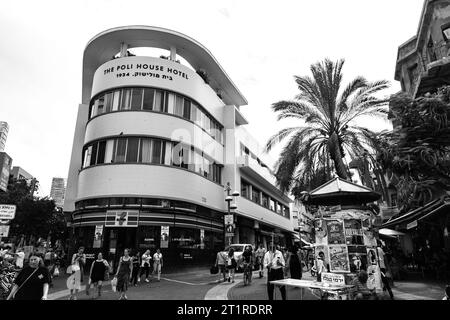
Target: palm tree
<point x="330" y="129"/>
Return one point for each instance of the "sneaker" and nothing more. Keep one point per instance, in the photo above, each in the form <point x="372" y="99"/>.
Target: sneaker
<point x="146" y="280"/>
<point x="125" y="297"/>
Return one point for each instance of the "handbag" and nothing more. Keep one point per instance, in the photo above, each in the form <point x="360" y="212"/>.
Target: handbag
<point x="214" y="269"/>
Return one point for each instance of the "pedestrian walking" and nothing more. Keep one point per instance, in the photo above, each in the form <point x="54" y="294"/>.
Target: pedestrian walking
<point x="382" y="263"/>
<point x="123" y="274"/>
<point x="145" y="265"/>
<point x="447" y="293"/>
<point x="294" y="264"/>
<point x="231" y="265"/>
<point x="99" y="269"/>
<point x="274" y="263"/>
<point x="260" y="259"/>
<point x="76" y="271"/>
<point x="32" y="282"/>
<point x="157" y="263"/>
<point x="221" y="259"/>
<point x="136" y="266"/>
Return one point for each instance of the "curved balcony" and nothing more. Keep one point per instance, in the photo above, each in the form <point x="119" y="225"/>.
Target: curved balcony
<point x="135" y="180"/>
<point x="154" y="124"/>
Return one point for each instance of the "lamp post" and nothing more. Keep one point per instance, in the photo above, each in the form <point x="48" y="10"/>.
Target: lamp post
<point x="230" y="218"/>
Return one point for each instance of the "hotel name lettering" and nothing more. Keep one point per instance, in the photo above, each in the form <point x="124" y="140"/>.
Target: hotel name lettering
<point x="145" y="70"/>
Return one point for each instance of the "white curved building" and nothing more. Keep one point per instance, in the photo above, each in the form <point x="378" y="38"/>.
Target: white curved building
<point x="155" y="143"/>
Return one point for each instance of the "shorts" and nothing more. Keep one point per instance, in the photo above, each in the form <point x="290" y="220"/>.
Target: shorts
<point x="222" y="268"/>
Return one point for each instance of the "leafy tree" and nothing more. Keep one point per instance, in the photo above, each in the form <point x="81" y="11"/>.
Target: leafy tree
<point x="418" y="149"/>
<point x="34" y="216"/>
<point x="330" y="129"/>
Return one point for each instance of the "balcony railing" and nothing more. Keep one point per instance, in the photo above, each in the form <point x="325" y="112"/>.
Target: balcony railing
<point x="435" y="53"/>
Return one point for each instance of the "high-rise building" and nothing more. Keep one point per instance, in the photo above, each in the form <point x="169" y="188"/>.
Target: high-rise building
<point x="5" y="169"/>
<point x="4" y="128"/>
<point x="58" y="190"/>
<point x="19" y="173"/>
<point x="156" y="143"/>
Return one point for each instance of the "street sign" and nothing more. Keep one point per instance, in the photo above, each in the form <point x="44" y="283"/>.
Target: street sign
<point x="227" y="234"/>
<point x="228" y="219"/>
<point x="229" y="228"/>
<point x="4" y="231"/>
<point x="7" y="211"/>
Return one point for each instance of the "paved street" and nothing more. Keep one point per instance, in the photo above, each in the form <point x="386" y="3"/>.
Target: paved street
<point x="199" y="284"/>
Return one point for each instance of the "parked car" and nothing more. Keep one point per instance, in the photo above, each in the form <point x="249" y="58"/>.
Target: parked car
<point x="238" y="251"/>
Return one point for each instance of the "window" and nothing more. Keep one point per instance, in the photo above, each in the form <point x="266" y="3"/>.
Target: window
<point x="132" y="150"/>
<point x="87" y="156"/>
<point x="198" y="163"/>
<point x="178" y="106"/>
<point x="206" y="168"/>
<point x="145" y="156"/>
<point x="121" y="147"/>
<point x="147" y="103"/>
<point x="194" y="110"/>
<point x="93" y="154"/>
<point x="278" y="208"/>
<point x="245" y="189"/>
<point x="136" y="99"/>
<point x="108" y="102"/>
<point x="271" y="204"/>
<point x="116" y="100"/>
<point x="126" y="97"/>
<point x="101" y="152"/>
<point x="187" y="109"/>
<point x="286" y="212"/>
<point x="159" y="101"/>
<point x="157" y="152"/>
<point x="265" y="200"/>
<point x="100" y="103"/>
<point x="255" y="195"/>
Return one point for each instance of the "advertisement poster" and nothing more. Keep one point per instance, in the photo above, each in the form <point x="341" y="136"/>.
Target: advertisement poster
<point x="98" y="237"/>
<point x="335" y="229"/>
<point x="202" y="239"/>
<point x="372" y="256"/>
<point x="321" y="252"/>
<point x="339" y="258"/>
<point x="353" y="232"/>
<point x="374" y="278"/>
<point x="164" y="237"/>
<point x="369" y="238"/>
<point x="320" y="232"/>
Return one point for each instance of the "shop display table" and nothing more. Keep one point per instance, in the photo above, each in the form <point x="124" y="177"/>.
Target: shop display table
<point x="319" y="289"/>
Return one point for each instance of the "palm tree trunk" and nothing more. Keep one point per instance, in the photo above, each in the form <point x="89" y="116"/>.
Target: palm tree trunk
<point x="336" y="156"/>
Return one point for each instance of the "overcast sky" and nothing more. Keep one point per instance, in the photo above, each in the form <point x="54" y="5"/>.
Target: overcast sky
<point x="260" y="44"/>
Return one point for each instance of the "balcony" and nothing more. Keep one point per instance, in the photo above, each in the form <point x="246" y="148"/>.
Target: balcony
<point x="435" y="67"/>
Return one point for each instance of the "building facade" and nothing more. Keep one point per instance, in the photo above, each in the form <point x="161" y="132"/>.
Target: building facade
<point x="19" y="173"/>
<point x="155" y="144"/>
<point x="5" y="169"/>
<point x="423" y="62"/>
<point x="4" y="128"/>
<point x="57" y="191"/>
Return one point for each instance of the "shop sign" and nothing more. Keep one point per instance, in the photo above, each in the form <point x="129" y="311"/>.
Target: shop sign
<point x="4" y="231"/>
<point x="7" y="211"/>
<point x="121" y="218"/>
<point x="333" y="279"/>
<point x="411" y="225"/>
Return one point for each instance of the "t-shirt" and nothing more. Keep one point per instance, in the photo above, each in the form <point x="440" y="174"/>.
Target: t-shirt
<point x="247" y="255"/>
<point x="146" y="259"/>
<point x="33" y="289"/>
<point x="19" y="259"/>
<point x="157" y="257"/>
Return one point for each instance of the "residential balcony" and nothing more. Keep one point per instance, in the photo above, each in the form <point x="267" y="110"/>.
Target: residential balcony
<point x="256" y="171"/>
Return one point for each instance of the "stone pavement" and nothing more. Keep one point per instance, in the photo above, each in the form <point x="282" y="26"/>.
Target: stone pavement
<point x="199" y="284"/>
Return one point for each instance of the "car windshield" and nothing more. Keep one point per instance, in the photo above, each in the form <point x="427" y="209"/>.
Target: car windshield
<point x="238" y="248"/>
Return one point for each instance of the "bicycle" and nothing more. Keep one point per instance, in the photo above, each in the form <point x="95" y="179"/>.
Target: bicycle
<point x="247" y="273"/>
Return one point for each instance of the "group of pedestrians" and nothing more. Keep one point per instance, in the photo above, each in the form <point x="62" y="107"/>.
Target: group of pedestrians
<point x="129" y="271"/>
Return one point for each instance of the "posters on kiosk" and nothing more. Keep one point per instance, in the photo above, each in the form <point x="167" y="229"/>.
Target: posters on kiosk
<point x="321" y="233"/>
<point x="339" y="258"/>
<point x="335" y="229"/>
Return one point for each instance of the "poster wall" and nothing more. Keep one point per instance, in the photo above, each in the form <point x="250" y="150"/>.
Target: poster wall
<point x="335" y="229"/>
<point x="369" y="238"/>
<point x="164" y="237"/>
<point x="339" y="261"/>
<point x="321" y="251"/>
<point x="353" y="232"/>
<point x="321" y="235"/>
<point x="372" y="258"/>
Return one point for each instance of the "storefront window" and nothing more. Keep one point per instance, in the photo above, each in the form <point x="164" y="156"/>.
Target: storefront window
<point x="183" y="238"/>
<point x="148" y="237"/>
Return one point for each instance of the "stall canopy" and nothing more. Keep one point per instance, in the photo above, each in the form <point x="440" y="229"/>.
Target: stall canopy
<point x="341" y="192"/>
<point x="390" y="232"/>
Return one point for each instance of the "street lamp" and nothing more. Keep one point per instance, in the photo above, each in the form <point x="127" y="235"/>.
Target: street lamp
<point x="229" y="220"/>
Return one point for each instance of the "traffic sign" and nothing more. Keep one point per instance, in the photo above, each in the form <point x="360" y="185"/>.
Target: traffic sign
<point x="227" y="234"/>
<point x="229" y="228"/>
<point x="7" y="211"/>
<point x="228" y="219"/>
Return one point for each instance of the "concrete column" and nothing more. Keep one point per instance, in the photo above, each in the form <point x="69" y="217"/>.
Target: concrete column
<point x="173" y="53"/>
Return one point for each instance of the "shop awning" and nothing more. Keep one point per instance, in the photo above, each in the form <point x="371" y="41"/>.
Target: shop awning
<point x="390" y="232"/>
<point x="421" y="213"/>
